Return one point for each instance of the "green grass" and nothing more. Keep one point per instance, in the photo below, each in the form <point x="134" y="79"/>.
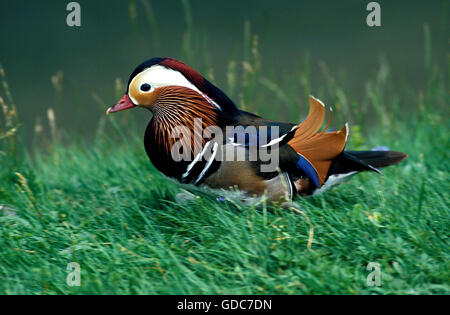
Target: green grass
<point x="104" y="206"/>
<point x="101" y="204"/>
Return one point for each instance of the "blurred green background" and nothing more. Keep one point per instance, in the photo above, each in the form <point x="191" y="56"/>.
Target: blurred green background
<point x="85" y="191"/>
<point x="116" y="35"/>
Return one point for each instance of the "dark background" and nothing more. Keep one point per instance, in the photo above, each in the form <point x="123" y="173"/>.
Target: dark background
<point x="36" y="43"/>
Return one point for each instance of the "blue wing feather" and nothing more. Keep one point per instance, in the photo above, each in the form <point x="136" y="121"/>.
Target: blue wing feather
<point x="308" y="169"/>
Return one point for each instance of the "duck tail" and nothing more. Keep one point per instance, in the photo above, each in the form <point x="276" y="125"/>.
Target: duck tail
<point x="317" y="149"/>
<point x="378" y="159"/>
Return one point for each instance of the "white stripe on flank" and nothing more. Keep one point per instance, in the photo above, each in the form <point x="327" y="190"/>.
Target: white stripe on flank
<point x="274" y="141"/>
<point x="232" y="142"/>
<point x="197" y="158"/>
<point x="216" y="145"/>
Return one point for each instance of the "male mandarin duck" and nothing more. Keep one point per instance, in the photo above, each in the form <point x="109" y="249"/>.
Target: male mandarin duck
<point x="308" y="159"/>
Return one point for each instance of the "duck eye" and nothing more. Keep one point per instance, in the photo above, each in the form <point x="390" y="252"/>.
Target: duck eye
<point x="145" y="87"/>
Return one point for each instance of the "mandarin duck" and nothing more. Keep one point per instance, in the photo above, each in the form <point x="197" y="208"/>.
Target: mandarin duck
<point x="198" y="136"/>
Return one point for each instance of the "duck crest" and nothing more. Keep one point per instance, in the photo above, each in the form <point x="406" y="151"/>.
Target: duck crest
<point x="209" y="90"/>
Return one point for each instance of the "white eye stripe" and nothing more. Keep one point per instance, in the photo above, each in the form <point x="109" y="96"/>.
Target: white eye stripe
<point x="160" y="76"/>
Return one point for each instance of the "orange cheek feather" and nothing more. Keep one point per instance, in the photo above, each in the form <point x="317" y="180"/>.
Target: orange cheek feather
<point x="144" y="99"/>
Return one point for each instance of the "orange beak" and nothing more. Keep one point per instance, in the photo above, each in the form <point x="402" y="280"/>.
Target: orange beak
<point x="124" y="103"/>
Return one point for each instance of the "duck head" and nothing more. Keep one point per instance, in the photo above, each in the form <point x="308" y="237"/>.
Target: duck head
<point x="149" y="79"/>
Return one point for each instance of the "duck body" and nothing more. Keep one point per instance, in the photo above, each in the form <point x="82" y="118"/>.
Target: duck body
<point x="198" y="136"/>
